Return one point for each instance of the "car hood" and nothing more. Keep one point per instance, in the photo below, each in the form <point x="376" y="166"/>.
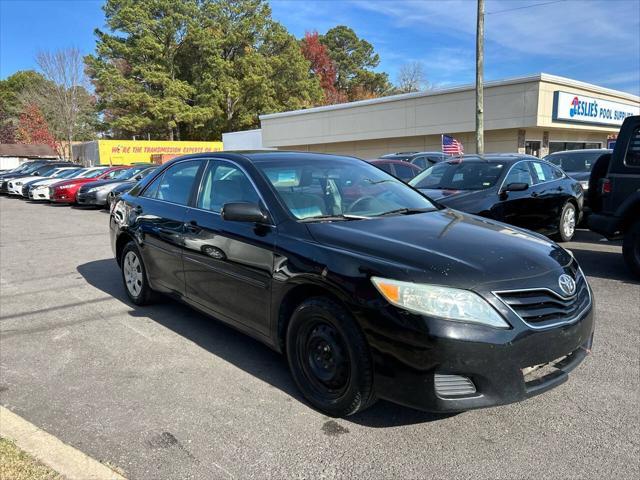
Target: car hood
<point x="100" y="183"/>
<point x="46" y="181"/>
<point x="446" y="247"/>
<point x="29" y="178"/>
<point x="70" y="181"/>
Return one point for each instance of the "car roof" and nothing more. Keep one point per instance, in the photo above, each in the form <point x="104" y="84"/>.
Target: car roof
<point x="258" y="156"/>
<point x="583" y="150"/>
<point x="394" y="161"/>
<point x="493" y="157"/>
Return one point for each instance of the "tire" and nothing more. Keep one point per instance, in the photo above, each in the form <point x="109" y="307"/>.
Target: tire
<point x="134" y="276"/>
<point x="631" y="248"/>
<point x="329" y="358"/>
<point x="567" y="223"/>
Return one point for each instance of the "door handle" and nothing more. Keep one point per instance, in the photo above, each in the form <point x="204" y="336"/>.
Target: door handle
<point x="192" y="227"/>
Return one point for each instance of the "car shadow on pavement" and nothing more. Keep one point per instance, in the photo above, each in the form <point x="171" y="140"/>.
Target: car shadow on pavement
<point x="235" y="347"/>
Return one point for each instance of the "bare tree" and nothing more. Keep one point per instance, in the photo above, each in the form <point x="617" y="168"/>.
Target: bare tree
<point x="64" y="93"/>
<point x="411" y="78"/>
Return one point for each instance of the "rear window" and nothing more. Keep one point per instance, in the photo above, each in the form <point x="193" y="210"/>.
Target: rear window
<point x="459" y="176"/>
<point x="574" y="161"/>
<point x="632" y="158"/>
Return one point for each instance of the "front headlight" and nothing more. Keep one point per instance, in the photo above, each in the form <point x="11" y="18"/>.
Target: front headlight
<point x="443" y="302"/>
<point x="584" y="184"/>
<point x="101" y="188"/>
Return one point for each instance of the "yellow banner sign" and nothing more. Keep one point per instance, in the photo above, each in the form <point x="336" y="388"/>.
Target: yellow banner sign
<point x="119" y="152"/>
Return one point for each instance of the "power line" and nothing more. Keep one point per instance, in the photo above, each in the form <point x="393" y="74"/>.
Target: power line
<point x="525" y="6"/>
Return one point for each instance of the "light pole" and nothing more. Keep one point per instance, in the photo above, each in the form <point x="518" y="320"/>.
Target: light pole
<point x="479" y="79"/>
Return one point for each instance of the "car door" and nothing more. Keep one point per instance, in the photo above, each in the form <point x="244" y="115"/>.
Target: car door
<point x="550" y="194"/>
<point x="161" y="211"/>
<point x="228" y="265"/>
<point x="516" y="208"/>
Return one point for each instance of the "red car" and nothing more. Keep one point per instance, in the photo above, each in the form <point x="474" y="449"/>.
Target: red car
<point x="405" y="171"/>
<point x="66" y="191"/>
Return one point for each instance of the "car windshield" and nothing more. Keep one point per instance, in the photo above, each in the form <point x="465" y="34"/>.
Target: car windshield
<point x="575" y="161"/>
<point x="92" y="173"/>
<point x="128" y="173"/>
<point x="340" y="189"/>
<point x="68" y="173"/>
<point x="459" y="175"/>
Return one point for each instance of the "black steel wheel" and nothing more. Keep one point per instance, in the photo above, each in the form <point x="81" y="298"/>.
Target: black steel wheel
<point x="329" y="358"/>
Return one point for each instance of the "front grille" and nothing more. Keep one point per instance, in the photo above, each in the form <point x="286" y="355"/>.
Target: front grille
<point x="543" y="308"/>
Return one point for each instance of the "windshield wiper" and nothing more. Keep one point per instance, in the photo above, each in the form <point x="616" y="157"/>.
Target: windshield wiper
<point x="345" y="216"/>
<point x="405" y="211"/>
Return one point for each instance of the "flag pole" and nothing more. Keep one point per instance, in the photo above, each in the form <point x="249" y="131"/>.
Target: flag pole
<point x="479" y="79"/>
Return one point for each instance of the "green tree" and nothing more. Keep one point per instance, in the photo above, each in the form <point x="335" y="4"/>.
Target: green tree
<point x="17" y="86"/>
<point x="354" y="60"/>
<point x="195" y="69"/>
<point x="246" y="64"/>
<point x="135" y="69"/>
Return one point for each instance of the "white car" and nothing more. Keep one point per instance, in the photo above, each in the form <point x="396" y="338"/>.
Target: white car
<point x="40" y="190"/>
<point x="14" y="186"/>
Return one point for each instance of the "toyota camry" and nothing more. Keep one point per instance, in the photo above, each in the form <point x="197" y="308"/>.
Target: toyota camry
<point x="369" y="289"/>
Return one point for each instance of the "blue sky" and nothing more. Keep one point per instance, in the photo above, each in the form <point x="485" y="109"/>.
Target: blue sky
<point x="596" y="41"/>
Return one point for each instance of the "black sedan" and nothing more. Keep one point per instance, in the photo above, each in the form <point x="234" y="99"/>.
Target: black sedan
<point x="517" y="189"/>
<point x="369" y="289"/>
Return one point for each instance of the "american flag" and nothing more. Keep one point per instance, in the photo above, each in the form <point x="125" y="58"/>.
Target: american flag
<point x="451" y="146"/>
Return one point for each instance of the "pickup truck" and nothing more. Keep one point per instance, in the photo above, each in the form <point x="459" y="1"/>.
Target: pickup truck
<point x="614" y="192"/>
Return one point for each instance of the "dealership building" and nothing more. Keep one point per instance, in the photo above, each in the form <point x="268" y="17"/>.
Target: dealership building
<point x="537" y="115"/>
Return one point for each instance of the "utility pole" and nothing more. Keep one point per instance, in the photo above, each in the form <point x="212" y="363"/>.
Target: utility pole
<point x="479" y="79"/>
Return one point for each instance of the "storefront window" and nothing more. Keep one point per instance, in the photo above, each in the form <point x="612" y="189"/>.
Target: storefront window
<point x="561" y="146"/>
<point x="532" y="148"/>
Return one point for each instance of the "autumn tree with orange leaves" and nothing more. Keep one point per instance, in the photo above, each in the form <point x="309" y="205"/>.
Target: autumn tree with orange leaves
<point x="322" y="66"/>
<point x="33" y="128"/>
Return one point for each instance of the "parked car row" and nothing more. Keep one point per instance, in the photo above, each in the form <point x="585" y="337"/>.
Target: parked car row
<point x="64" y="182"/>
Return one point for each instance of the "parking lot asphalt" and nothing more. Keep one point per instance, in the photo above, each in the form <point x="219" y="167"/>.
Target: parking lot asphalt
<point x="165" y="392"/>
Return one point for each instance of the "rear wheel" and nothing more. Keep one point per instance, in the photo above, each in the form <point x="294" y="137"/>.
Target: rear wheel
<point x="567" y="223"/>
<point x="329" y="358"/>
<point x="631" y="248"/>
<point x="134" y="276"/>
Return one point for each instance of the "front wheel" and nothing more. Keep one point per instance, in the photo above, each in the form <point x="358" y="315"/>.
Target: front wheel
<point x="631" y="248"/>
<point x="329" y="358"/>
<point x="134" y="276"/>
<point x="567" y="223"/>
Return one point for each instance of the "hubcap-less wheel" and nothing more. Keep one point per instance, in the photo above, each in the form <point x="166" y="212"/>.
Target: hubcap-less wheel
<point x="569" y="222"/>
<point x="324" y="359"/>
<point x="132" y="273"/>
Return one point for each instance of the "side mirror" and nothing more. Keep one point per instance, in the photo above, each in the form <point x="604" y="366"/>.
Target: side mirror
<point x="243" y="212"/>
<point x="137" y="178"/>
<point x="516" y="187"/>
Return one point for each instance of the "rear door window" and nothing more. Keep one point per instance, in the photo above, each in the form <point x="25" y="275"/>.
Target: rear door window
<point x="544" y="172"/>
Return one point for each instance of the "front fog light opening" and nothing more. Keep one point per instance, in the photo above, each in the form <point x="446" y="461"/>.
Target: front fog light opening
<point x="453" y="385"/>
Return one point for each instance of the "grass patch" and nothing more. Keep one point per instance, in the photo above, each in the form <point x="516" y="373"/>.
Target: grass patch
<point x="17" y="465"/>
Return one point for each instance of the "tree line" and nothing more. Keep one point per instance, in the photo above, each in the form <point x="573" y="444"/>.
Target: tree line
<point x="190" y="69"/>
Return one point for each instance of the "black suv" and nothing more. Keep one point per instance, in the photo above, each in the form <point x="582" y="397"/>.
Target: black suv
<point x="615" y="193"/>
<point x="370" y="289"/>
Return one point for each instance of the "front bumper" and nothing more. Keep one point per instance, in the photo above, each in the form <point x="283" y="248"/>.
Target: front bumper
<point x="41" y="193"/>
<point x="63" y="196"/>
<point x="92" y="198"/>
<point x="410" y="352"/>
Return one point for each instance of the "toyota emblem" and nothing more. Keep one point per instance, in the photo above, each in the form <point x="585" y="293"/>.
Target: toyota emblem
<point x="567" y="284"/>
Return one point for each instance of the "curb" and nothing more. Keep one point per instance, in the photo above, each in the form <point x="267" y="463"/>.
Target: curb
<point x="69" y="462"/>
